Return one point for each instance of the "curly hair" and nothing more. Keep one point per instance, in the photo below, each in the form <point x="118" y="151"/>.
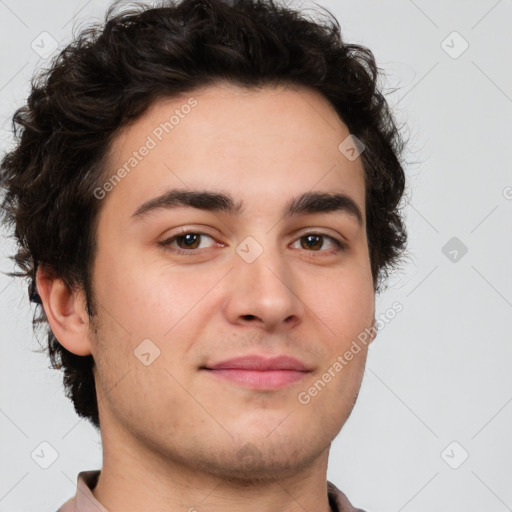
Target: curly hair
<point x="112" y="72"/>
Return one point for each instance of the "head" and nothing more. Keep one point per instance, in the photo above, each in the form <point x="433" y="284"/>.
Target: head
<point x="246" y="99"/>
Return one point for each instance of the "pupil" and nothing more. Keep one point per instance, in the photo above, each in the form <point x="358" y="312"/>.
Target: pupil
<point x="190" y="238"/>
<point x="310" y="238"/>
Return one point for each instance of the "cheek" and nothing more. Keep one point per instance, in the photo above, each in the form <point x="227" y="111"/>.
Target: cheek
<point x="142" y="297"/>
<point x="140" y="396"/>
<point x="344" y="301"/>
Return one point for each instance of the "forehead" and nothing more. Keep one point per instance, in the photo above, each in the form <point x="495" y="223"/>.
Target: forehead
<point x="263" y="145"/>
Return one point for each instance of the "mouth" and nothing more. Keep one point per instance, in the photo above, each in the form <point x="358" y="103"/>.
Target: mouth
<point x="259" y="379"/>
<point x="259" y="372"/>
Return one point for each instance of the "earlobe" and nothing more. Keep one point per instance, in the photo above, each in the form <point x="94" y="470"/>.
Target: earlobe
<point x="65" y="312"/>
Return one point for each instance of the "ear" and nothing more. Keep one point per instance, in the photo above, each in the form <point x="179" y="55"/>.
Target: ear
<point x="66" y="313"/>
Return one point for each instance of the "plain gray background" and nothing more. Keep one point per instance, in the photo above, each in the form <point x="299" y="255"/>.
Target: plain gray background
<point x="431" y="428"/>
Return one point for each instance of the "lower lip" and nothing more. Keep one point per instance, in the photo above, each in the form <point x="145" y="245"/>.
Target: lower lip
<point x="260" y="379"/>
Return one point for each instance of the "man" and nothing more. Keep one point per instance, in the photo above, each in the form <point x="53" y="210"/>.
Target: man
<point x="206" y="197"/>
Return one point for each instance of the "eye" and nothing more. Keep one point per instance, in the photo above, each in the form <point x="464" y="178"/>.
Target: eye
<point x="188" y="242"/>
<point x="314" y="241"/>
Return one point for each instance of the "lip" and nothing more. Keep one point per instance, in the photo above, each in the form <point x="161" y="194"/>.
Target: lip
<point x="260" y="363"/>
<point x="259" y="372"/>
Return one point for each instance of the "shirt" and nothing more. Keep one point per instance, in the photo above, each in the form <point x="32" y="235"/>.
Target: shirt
<point x="84" y="500"/>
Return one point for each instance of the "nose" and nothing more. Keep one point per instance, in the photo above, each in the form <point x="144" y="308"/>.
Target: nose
<point x="264" y="293"/>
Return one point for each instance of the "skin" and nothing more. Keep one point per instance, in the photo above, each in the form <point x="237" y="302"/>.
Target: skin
<point x="172" y="433"/>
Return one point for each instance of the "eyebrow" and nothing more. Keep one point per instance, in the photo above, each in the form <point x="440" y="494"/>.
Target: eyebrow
<point x="307" y="203"/>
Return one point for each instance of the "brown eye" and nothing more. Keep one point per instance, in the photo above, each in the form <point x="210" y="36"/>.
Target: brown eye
<point x="313" y="242"/>
<point x="187" y="243"/>
<point x="190" y="240"/>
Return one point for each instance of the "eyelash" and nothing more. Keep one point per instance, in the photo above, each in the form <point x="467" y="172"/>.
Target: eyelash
<point x="192" y="252"/>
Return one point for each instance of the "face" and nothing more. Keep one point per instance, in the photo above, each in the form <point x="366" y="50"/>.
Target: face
<point x="230" y="282"/>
